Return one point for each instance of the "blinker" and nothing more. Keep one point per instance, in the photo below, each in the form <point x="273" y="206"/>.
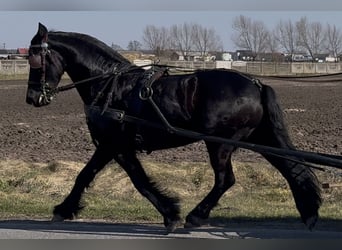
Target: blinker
<point x="35" y="61"/>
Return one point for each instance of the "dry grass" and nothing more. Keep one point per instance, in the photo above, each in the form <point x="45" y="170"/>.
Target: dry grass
<point x="31" y="191"/>
<point x="22" y="76"/>
<point x="13" y="77"/>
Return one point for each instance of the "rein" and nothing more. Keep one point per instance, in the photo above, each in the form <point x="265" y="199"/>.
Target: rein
<point x="75" y="84"/>
<point x="105" y="76"/>
<point x="303" y="78"/>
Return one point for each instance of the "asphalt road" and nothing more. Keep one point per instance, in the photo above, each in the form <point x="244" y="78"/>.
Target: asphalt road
<point x="31" y="229"/>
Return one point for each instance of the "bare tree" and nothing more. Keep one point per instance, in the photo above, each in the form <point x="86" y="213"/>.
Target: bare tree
<point x="250" y="35"/>
<point x="205" y="39"/>
<point x="273" y="46"/>
<point x="116" y="47"/>
<point x="134" y="45"/>
<point x="181" y="38"/>
<point x="156" y="39"/>
<point x="317" y="37"/>
<point x="333" y="40"/>
<point x="287" y="37"/>
<point x="310" y="36"/>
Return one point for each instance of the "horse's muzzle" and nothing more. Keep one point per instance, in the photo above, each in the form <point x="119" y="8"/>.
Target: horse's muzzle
<point x="36" y="98"/>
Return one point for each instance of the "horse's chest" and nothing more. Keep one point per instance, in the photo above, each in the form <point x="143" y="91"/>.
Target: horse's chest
<point x="111" y="127"/>
<point x="106" y="126"/>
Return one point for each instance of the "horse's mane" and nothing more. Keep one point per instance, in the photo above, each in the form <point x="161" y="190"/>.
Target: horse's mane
<point x="90" y="50"/>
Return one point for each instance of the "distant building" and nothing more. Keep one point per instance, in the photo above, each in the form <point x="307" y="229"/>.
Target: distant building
<point x="226" y="56"/>
<point x="270" y="57"/>
<point x="301" y="58"/>
<point x="192" y="56"/>
<point x="5" y="53"/>
<point x="20" y="53"/>
<point x="244" y="55"/>
<point x="137" y="55"/>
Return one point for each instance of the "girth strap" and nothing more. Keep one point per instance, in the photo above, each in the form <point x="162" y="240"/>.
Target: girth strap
<point x="119" y="116"/>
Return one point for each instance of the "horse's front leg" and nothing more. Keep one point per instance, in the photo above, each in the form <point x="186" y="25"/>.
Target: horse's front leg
<point x="71" y="206"/>
<point x="220" y="159"/>
<point x="167" y="206"/>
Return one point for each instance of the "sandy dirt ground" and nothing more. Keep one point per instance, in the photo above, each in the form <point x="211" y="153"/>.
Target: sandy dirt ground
<point x="312" y="110"/>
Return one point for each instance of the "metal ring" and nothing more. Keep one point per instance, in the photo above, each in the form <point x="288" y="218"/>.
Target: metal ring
<point x="145" y="93"/>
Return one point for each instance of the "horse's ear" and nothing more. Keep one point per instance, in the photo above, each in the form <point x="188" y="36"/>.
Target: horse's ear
<point x="42" y="32"/>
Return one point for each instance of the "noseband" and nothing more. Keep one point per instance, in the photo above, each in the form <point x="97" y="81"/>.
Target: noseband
<point x="38" y="61"/>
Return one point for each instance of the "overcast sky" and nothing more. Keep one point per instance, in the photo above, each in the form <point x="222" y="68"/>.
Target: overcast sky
<point x="122" y="21"/>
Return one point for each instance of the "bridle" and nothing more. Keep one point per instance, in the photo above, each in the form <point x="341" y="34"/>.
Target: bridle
<point x="38" y="61"/>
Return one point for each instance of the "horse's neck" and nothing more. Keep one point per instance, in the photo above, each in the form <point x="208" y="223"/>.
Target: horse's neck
<point x="82" y="66"/>
<point x="88" y="91"/>
<point x="80" y="63"/>
<point x="79" y="71"/>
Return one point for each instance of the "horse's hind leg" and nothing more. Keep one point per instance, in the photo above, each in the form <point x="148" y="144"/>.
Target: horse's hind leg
<point x="70" y="207"/>
<point x="220" y="159"/>
<point x="167" y="206"/>
<point x="301" y="179"/>
<point x="303" y="182"/>
<point x="304" y="186"/>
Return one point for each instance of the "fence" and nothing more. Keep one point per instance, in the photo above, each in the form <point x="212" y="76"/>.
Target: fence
<point x="190" y="64"/>
<point x="18" y="67"/>
<point x="294" y="68"/>
<point x="14" y="67"/>
<point x="264" y="68"/>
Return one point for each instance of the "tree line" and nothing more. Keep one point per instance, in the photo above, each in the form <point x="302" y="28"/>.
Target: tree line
<point x="288" y="37"/>
<point x="183" y="38"/>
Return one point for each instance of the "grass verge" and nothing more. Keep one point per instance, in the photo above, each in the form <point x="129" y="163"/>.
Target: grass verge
<point x="260" y="194"/>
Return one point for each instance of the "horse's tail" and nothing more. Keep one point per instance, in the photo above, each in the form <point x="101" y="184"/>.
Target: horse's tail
<point x="273" y="116"/>
<point x="303" y="182"/>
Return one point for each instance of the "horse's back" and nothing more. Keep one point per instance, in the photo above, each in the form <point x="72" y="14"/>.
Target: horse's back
<point x="210" y="100"/>
<point x="236" y="83"/>
<point x="228" y="101"/>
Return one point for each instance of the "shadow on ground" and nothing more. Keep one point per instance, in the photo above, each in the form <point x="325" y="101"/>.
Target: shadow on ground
<point x="219" y="228"/>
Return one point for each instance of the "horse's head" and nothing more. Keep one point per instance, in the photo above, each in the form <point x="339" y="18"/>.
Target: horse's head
<point x="46" y="69"/>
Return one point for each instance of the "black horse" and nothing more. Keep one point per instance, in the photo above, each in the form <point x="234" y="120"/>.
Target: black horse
<point x="127" y="107"/>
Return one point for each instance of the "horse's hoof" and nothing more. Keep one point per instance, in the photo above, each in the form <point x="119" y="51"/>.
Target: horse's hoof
<point x="172" y="226"/>
<point x="311" y="222"/>
<point x="193" y="221"/>
<point x="57" y="218"/>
